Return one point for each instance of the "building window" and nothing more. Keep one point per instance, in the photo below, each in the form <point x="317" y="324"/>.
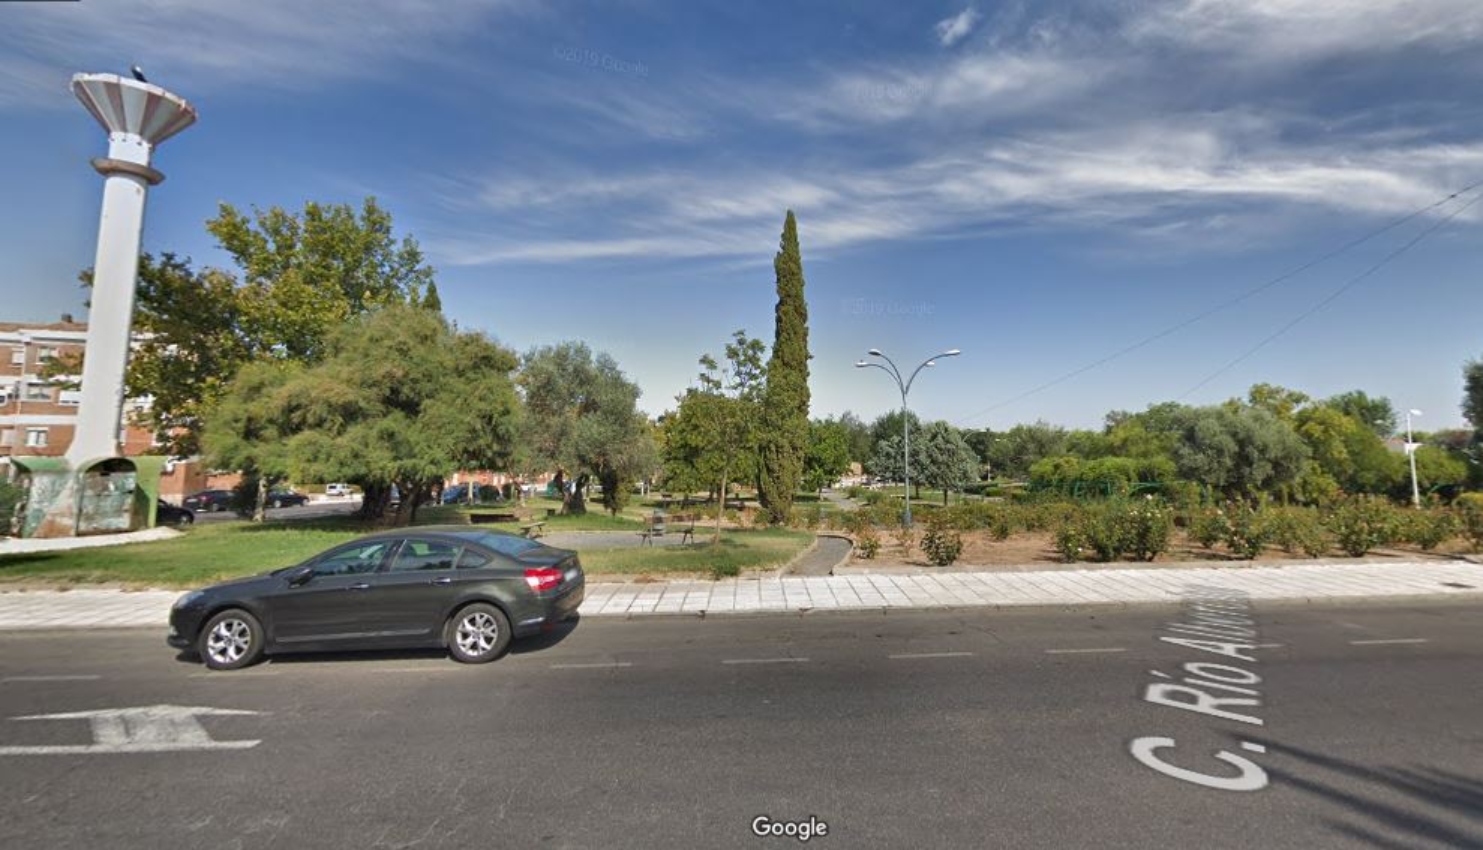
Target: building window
<point x="38" y="392"/>
<point x="18" y="356"/>
<point x="7" y="436"/>
<point x="45" y="353"/>
<point x="35" y="438"/>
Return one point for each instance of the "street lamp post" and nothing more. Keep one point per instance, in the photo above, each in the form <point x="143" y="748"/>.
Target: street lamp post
<point x="904" y="385"/>
<point x="1411" y="456"/>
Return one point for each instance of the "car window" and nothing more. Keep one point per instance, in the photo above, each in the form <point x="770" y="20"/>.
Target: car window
<point x="425" y="555"/>
<point x="508" y="544"/>
<point x="353" y="560"/>
<point x="472" y="559"/>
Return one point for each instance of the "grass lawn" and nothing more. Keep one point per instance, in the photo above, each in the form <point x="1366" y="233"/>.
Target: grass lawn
<point x="214" y="551"/>
<point x="738" y="551"/>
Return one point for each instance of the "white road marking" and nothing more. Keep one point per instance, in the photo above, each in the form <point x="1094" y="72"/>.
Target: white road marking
<point x="910" y="655"/>
<point x="1107" y="649"/>
<point x="1381" y="642"/>
<point x="604" y="666"/>
<point x="765" y="661"/>
<point x="1266" y="646"/>
<point x="147" y="729"/>
<point x="92" y="678"/>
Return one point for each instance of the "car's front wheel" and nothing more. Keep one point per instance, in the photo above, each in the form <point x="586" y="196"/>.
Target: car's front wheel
<point x="230" y="640"/>
<point x="186" y="519"/>
<point x="478" y="633"/>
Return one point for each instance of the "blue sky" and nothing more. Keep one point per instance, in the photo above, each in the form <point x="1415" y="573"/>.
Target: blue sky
<point x="1041" y="184"/>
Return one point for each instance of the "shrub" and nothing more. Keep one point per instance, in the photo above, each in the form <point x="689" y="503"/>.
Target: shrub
<point x="853" y="522"/>
<point x="725" y="569"/>
<point x="1362" y="523"/>
<point x="1470" y="517"/>
<point x="942" y="544"/>
<point x="1001" y="526"/>
<point x="867" y="543"/>
<point x="1427" y="528"/>
<point x="1209" y="526"/>
<point x="1297" y="529"/>
<point x="1146" y="527"/>
<point x="1104" y="532"/>
<point x="1071" y="542"/>
<point x="1246" y="532"/>
<point x="10" y="500"/>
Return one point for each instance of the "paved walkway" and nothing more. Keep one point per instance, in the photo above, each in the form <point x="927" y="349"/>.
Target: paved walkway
<point x="1312" y="582"/>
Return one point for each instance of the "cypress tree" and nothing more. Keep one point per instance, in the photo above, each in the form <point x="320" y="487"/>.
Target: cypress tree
<point x="785" y="402"/>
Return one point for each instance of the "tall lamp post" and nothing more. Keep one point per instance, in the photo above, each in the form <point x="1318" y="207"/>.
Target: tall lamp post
<point x="1411" y="456"/>
<point x="904" y="385"/>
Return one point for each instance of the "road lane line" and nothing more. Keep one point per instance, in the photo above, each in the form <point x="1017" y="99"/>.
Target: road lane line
<point x="764" y="661"/>
<point x="603" y="666"/>
<point x="92" y="678"/>
<point x="910" y="655"/>
<point x="1382" y="642"/>
<point x="1105" y="649"/>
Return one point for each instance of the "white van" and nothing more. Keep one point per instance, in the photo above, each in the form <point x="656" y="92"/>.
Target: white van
<point x="337" y="490"/>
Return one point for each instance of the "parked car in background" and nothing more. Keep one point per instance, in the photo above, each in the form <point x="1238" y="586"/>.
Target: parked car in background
<point x="167" y="514"/>
<point x="210" y="501"/>
<point x="286" y="499"/>
<point x="337" y="489"/>
<point x="465" y="589"/>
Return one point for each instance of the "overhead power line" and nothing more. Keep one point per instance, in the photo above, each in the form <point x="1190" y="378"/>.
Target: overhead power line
<point x="1225" y="305"/>
<point x="1331" y="298"/>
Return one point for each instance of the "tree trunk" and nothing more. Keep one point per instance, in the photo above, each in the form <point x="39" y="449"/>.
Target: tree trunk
<point x="721" y="503"/>
<point x="260" y="510"/>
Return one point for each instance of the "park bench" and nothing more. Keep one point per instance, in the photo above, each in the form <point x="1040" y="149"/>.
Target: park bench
<point x="659" y="524"/>
<point x="533" y="530"/>
<point x="480" y="518"/>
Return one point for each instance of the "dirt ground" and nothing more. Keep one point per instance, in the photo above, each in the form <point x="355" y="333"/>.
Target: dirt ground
<point x="1038" y="551"/>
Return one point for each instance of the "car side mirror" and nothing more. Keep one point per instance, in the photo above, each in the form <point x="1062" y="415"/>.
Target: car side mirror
<point x="300" y="576"/>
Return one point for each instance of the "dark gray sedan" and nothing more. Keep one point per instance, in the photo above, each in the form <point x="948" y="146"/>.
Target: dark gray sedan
<point x="468" y="590"/>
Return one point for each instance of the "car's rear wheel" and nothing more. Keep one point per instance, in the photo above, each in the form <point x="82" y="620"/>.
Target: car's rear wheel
<point x="277" y="503"/>
<point x="478" y="633"/>
<point x="186" y="519"/>
<point x="230" y="640"/>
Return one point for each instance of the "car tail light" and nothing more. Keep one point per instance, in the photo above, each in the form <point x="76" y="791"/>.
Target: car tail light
<point x="543" y="578"/>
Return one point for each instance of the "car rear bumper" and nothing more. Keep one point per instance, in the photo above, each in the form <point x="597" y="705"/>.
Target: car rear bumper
<point x="552" y="611"/>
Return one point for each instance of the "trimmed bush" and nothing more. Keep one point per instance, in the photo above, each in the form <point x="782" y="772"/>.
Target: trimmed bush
<point x="1426" y="528"/>
<point x="1469" y="508"/>
<point x="1209" y="526"/>
<point x="1297" y="529"/>
<point x="942" y="544"/>
<point x="1363" y="523"/>
<point x="1146" y="528"/>
<point x="867" y="543"/>
<point x="1246" y="532"/>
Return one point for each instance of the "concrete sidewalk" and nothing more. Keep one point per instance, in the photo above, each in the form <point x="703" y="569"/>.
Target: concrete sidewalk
<point x="1318" y="581"/>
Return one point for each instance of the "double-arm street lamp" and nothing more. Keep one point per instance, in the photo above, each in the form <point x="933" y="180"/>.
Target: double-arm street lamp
<point x="904" y="385"/>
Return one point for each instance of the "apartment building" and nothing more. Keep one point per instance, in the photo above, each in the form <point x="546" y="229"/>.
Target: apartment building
<point x="38" y="414"/>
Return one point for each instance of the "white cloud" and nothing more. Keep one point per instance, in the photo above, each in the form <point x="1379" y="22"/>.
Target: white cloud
<point x="285" y="44"/>
<point x="952" y="30"/>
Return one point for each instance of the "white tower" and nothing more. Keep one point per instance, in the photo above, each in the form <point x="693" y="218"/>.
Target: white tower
<point x="137" y="116"/>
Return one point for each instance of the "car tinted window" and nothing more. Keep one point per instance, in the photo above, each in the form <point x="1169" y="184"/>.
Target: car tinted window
<point x="507" y="544"/>
<point x="353" y="560"/>
<point x="472" y="559"/>
<point x="425" y="555"/>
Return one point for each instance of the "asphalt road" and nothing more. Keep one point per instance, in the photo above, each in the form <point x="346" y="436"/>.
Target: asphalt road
<point x="929" y="729"/>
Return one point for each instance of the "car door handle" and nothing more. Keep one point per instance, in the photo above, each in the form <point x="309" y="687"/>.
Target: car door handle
<point x="443" y="580"/>
<point x="360" y="586"/>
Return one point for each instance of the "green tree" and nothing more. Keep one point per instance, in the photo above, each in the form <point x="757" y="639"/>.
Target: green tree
<point x="1376" y="414"/>
<point x="582" y="419"/>
<point x="947" y="463"/>
<point x="828" y="455"/>
<point x="190" y="341"/>
<point x="861" y="443"/>
<point x="786" y="397"/>
<point x="430" y="299"/>
<point x="304" y="274"/>
<point x="1241" y="452"/>
<point x="1472" y="399"/>
<point x="400" y="399"/>
<point x="1013" y="452"/>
